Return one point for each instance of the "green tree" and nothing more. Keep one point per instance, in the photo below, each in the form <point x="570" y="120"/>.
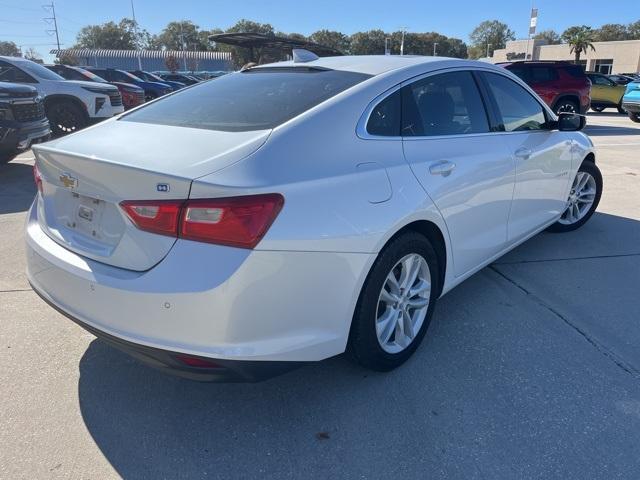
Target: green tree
<point x="368" y="43"/>
<point x="330" y="38"/>
<point x="121" y="36"/>
<point x="181" y="35"/>
<point x="551" y="36"/>
<point x="634" y="30"/>
<point x="492" y="34"/>
<point x="66" y="60"/>
<point x="611" y="32"/>
<point x="32" y="55"/>
<point x="240" y="55"/>
<point x="9" y="49"/>
<point x="580" y="39"/>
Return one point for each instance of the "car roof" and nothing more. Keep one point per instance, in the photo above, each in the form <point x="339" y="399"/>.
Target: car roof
<point x="373" y="64"/>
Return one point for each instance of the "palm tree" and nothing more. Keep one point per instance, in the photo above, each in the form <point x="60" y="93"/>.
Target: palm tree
<point x="580" y="39"/>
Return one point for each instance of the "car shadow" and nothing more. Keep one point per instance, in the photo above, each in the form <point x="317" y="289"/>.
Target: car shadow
<point x="493" y="366"/>
<point x="16" y="187"/>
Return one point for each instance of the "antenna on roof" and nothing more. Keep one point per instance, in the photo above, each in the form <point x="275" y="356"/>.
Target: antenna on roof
<point x="300" y="55"/>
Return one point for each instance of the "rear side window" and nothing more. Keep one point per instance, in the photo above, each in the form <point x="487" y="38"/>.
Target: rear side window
<point x="256" y="99"/>
<point x="521" y="71"/>
<point x="543" y="74"/>
<point x="518" y="109"/>
<point x="385" y="117"/>
<point x="574" y="70"/>
<point x="445" y="104"/>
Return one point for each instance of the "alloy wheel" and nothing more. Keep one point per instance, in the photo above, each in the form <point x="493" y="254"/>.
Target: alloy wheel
<point x="567" y="107"/>
<point x="403" y="303"/>
<point x="581" y="198"/>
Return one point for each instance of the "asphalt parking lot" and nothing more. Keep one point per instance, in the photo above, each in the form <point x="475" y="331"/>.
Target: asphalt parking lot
<point x="531" y="369"/>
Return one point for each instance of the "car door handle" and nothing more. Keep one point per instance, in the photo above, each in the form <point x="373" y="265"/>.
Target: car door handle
<point x="523" y="153"/>
<point x="443" y="168"/>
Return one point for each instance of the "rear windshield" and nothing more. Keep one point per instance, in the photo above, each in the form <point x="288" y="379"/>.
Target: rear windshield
<point x="255" y="99"/>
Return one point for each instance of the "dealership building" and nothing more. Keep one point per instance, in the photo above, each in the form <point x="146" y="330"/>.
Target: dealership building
<point x="608" y="57"/>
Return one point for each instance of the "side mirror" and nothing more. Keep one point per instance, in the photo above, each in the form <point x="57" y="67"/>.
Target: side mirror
<point x="571" y="122"/>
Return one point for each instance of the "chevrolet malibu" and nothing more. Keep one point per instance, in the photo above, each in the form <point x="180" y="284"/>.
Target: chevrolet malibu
<point x="294" y="211"/>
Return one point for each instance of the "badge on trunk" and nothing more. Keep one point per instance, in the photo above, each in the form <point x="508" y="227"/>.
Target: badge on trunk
<point x="68" y="181"/>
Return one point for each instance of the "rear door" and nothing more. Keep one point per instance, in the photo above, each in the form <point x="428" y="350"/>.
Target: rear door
<point x="542" y="156"/>
<point x="463" y="166"/>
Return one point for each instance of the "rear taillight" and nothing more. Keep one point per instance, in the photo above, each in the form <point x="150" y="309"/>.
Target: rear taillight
<point x="37" y="178"/>
<point x="155" y="216"/>
<point x="235" y="221"/>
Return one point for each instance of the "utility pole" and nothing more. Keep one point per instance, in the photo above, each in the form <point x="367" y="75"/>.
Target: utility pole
<point x="435" y="44"/>
<point x="135" y="32"/>
<point x="51" y="7"/>
<point x="184" y="57"/>
<point x="488" y="45"/>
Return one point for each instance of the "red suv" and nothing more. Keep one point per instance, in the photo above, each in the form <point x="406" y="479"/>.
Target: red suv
<point x="563" y="85"/>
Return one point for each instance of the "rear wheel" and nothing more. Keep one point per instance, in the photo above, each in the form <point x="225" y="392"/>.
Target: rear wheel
<point x="66" y="117"/>
<point x="396" y="304"/>
<point x="148" y="96"/>
<point x="597" y="109"/>
<point x="567" y="105"/>
<point x="634" y="116"/>
<point x="583" y="200"/>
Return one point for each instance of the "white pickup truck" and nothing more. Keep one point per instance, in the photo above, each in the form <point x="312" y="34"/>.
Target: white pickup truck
<point x="69" y="104"/>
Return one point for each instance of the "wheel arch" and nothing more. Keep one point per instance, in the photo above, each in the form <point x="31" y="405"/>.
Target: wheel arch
<point x="567" y="96"/>
<point x="62" y="98"/>
<point x="590" y="157"/>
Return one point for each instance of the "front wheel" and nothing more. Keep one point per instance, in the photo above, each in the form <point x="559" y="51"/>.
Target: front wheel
<point x="597" y="109"/>
<point x="634" y="116"/>
<point x="148" y="96"/>
<point x="66" y="117"/>
<point x="396" y="304"/>
<point x="568" y="106"/>
<point x="583" y="200"/>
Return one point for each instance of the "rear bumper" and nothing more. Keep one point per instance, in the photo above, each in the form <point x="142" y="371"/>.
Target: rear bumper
<point x="168" y="362"/>
<point x="206" y="300"/>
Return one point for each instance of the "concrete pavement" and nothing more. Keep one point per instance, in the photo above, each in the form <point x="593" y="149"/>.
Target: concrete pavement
<point x="530" y="369"/>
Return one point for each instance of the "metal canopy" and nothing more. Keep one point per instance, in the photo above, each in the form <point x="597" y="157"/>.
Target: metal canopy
<point x="283" y="44"/>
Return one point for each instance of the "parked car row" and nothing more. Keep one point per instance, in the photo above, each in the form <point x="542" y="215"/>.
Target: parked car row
<point x="566" y="87"/>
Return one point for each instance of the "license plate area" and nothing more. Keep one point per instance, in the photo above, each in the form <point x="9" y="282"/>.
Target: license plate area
<point x="87" y="215"/>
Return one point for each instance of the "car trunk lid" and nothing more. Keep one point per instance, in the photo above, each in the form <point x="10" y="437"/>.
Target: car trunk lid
<point x="86" y="176"/>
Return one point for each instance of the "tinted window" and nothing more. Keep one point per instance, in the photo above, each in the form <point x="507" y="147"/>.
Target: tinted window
<point x="518" y="109"/>
<point x="574" y="70"/>
<point x="599" y="80"/>
<point x="36" y="70"/>
<point x="255" y="99"/>
<point x="385" y="117"/>
<point x="521" y="71"/>
<point x="9" y="73"/>
<point x="445" y="104"/>
<point x="543" y="74"/>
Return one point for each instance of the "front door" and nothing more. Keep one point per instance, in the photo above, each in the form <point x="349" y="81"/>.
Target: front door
<point x="464" y="168"/>
<point x="542" y="157"/>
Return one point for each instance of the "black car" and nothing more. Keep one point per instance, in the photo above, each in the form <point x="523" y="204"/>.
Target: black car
<point x="22" y="119"/>
<point x="621" y="79"/>
<point x="179" y="77"/>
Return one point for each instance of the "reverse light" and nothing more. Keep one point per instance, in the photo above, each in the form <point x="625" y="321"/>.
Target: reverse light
<point x="234" y="221"/>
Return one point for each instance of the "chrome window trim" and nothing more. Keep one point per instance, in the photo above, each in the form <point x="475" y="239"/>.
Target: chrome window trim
<point x="361" y="127"/>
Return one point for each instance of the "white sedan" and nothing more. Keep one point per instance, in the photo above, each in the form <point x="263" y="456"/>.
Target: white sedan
<point x="292" y="211"/>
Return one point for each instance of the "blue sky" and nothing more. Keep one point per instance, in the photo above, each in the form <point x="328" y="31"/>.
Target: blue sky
<point x="21" y="21"/>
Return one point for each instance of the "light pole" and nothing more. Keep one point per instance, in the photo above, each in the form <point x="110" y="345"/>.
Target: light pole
<point x="435" y="44"/>
<point x="488" y="45"/>
<point x="403" y="29"/>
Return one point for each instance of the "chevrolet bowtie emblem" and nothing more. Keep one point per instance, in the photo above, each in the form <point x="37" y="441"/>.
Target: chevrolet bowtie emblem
<point x="68" y="181"/>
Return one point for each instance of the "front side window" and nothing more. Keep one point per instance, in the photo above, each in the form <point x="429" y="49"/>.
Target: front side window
<point x="10" y="73"/>
<point x="256" y="99"/>
<point x="385" y="117"/>
<point x="518" y="109"/>
<point x="444" y="104"/>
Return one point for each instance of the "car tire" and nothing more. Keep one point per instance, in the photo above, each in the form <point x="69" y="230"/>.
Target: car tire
<point x="65" y="118"/>
<point x="597" y="109"/>
<point x="634" y="116"/>
<point x="621" y="109"/>
<point x="148" y="96"/>
<point x="584" y="197"/>
<point x="7" y="155"/>
<point x="566" y="105"/>
<point x="367" y="345"/>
